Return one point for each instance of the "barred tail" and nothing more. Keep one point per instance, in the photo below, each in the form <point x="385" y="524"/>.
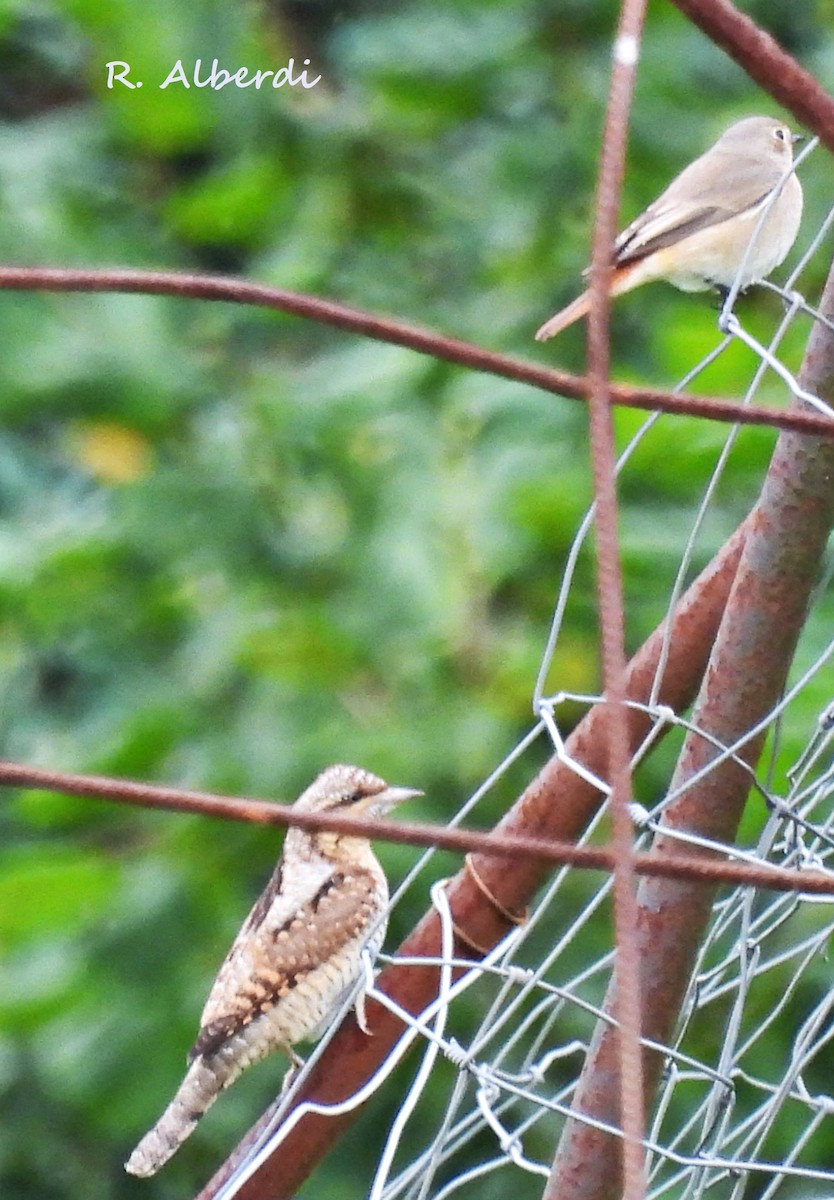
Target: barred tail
<point x="203" y="1082"/>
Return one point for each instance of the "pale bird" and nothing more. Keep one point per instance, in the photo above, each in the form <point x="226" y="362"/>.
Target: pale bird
<point x="696" y="235"/>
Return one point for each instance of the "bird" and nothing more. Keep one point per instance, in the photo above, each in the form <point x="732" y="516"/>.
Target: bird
<point x="696" y="234"/>
<point x="295" y="959"/>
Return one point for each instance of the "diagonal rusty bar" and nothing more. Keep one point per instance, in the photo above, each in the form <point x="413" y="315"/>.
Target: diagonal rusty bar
<point x="789" y="529"/>
<point x="764" y="60"/>
<point x="558" y="804"/>
<point x="385" y="329"/>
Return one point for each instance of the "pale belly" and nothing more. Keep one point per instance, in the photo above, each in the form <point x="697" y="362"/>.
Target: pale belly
<point x="712" y="256"/>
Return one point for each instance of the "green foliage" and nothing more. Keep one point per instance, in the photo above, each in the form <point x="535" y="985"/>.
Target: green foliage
<point x="235" y="546"/>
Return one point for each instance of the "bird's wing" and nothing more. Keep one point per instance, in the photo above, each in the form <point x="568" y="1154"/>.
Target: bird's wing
<point x="284" y="938"/>
<point x="696" y="200"/>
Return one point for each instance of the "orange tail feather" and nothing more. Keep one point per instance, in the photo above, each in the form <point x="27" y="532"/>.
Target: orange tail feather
<point x="574" y="312"/>
<point x="623" y="279"/>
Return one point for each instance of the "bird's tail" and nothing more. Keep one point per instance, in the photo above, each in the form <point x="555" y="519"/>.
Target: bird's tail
<point x="623" y="279"/>
<point x="574" y="311"/>
<point x="199" y="1089"/>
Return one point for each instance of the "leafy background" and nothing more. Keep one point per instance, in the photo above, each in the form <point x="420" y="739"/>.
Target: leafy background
<point x="235" y="546"/>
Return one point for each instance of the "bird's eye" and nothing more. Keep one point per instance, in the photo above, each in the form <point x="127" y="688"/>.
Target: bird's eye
<point x="781" y="134"/>
<point x="350" y="798"/>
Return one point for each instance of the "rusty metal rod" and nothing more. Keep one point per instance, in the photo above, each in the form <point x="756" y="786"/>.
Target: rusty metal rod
<point x="766" y="610"/>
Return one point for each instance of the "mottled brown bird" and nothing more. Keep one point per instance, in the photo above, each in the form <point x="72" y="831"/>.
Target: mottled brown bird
<point x="295" y="958"/>
<point x="697" y="234"/>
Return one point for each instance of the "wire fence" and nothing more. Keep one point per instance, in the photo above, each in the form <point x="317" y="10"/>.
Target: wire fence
<point x="508" y="1034"/>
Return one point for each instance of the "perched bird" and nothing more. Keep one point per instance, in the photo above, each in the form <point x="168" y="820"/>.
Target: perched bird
<point x="295" y="958"/>
<point x="697" y="233"/>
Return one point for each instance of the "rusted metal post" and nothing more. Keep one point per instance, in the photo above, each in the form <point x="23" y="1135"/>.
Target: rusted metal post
<point x="765" y="613"/>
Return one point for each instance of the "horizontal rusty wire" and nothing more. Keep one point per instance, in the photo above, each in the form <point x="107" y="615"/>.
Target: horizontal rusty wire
<point x="422" y="341"/>
<point x="498" y="846"/>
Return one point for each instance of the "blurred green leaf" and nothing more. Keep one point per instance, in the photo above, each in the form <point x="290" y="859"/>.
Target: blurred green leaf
<point x="41" y="895"/>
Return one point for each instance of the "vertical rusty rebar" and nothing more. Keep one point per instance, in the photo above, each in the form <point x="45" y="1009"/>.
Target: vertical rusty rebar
<point x="610" y="589"/>
<point x="748" y="668"/>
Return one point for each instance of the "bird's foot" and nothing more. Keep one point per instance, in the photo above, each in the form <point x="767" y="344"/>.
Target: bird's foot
<point x="296" y="1063"/>
<point x="720" y="298"/>
<point x="361" y="1014"/>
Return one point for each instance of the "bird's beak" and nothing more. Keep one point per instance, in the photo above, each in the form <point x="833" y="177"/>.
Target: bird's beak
<point x="394" y="795"/>
<point x="799" y="137"/>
